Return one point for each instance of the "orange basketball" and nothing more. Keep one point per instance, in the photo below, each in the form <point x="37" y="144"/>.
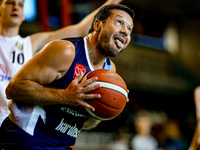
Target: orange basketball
<point x="113" y="93"/>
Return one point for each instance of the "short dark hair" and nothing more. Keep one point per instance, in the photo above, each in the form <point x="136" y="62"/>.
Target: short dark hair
<point x="105" y="12"/>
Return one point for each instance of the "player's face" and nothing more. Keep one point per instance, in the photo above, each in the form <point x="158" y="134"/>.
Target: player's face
<point x="115" y="34"/>
<point x="11" y="12"/>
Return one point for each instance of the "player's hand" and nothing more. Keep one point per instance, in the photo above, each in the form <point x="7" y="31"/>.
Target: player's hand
<point x="77" y="92"/>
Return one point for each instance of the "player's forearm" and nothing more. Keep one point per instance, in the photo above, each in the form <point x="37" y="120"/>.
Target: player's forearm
<point x="33" y="93"/>
<point x="90" y="124"/>
<point x="197" y="102"/>
<point x="194" y="144"/>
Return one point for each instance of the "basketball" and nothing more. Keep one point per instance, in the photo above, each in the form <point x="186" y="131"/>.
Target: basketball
<point x="113" y="93"/>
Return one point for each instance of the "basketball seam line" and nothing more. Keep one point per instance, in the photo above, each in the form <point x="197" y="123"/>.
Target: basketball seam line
<point x="109" y="105"/>
<point x="95" y="116"/>
<point x="114" y="87"/>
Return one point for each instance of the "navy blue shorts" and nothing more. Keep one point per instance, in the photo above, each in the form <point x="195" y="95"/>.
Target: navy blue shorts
<point x="13" y="138"/>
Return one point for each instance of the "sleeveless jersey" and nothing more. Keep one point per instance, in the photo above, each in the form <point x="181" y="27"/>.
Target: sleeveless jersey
<point x="54" y="124"/>
<point x="14" y="52"/>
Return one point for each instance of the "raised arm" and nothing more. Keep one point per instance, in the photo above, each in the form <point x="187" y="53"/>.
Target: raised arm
<point x="81" y="29"/>
<point x="28" y="85"/>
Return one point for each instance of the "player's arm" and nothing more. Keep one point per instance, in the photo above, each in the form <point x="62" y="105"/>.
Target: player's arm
<point x="81" y="29"/>
<point x="194" y="145"/>
<point x="196" y="138"/>
<point x="28" y="85"/>
<point x="90" y="124"/>
<point x="197" y="105"/>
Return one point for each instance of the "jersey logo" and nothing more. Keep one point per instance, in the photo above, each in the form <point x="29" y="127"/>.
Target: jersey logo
<point x="4" y="73"/>
<point x="78" y="69"/>
<point x="19" y="46"/>
<point x="4" y="70"/>
<point x="72" y="112"/>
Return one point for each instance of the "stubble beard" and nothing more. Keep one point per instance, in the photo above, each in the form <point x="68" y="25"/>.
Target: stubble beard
<point x="105" y="48"/>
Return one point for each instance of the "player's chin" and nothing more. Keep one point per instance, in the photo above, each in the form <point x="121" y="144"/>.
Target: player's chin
<point x="116" y="51"/>
<point x="114" y="54"/>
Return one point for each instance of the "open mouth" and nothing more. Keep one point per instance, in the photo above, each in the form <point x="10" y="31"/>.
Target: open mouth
<point x="14" y="15"/>
<point x="119" y="42"/>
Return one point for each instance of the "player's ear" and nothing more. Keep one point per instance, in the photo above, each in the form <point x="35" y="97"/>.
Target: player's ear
<point x="97" y="25"/>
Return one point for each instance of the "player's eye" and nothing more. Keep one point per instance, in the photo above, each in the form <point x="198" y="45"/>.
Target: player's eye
<point x="10" y="2"/>
<point x="129" y="29"/>
<point x="119" y="22"/>
<point x="21" y="5"/>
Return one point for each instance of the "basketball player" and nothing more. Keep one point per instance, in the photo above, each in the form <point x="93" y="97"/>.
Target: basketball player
<point x="48" y="98"/>
<point x="16" y="51"/>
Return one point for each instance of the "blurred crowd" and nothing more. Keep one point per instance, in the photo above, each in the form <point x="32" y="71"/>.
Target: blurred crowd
<point x="149" y="130"/>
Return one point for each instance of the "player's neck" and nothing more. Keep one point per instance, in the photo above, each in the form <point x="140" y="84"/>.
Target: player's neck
<point x="9" y="31"/>
<point x="96" y="58"/>
<point x="92" y="41"/>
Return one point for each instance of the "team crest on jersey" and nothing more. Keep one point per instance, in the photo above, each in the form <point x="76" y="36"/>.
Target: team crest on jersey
<point x="78" y="69"/>
<point x="19" y="46"/>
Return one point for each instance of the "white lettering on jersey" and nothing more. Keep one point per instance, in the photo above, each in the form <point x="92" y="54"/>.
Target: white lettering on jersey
<point x="68" y="129"/>
<point x="72" y="112"/>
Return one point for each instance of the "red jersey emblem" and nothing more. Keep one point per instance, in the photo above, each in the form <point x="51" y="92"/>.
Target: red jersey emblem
<point x="78" y="69"/>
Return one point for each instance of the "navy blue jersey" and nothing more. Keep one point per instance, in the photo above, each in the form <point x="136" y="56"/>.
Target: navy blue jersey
<point x="51" y="125"/>
<point x="81" y="63"/>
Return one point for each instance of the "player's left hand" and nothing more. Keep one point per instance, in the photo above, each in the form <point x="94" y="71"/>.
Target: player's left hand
<point x="78" y="92"/>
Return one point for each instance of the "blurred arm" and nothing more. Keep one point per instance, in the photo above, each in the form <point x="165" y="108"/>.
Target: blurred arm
<point x="194" y="144"/>
<point x="197" y="104"/>
<point x="78" y="30"/>
<point x="196" y="138"/>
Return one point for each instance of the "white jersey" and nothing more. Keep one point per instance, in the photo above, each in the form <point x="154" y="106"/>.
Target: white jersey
<point x="14" y="52"/>
<point x="141" y="142"/>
